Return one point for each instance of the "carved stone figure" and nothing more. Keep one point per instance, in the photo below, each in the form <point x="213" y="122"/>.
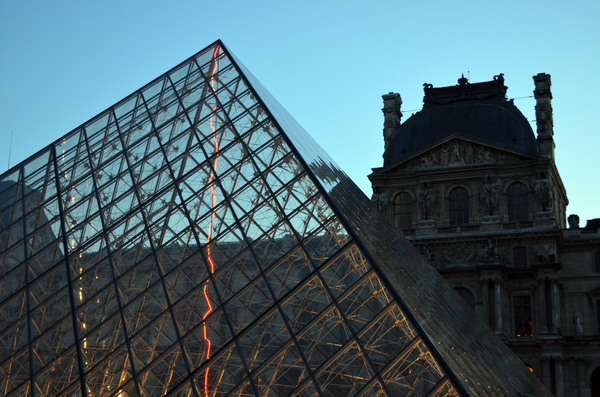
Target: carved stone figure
<point x="485" y="156"/>
<point x="489" y="196"/>
<point x="573" y="221"/>
<point x="578" y="321"/>
<point x="543" y="194"/>
<point x="429" y="160"/>
<point x="444" y="156"/>
<point x="468" y="153"/>
<point x="426" y="202"/>
<point x="490" y="251"/>
<point x="379" y="198"/>
<point x="455" y="155"/>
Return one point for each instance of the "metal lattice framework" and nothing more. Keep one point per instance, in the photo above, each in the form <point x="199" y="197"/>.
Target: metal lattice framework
<point x="178" y="244"/>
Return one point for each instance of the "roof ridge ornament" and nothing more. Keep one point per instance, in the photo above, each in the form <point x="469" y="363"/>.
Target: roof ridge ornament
<point x="464" y="90"/>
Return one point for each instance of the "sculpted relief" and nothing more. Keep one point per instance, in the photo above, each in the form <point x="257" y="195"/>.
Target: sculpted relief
<point x="426" y="202"/>
<point x="457" y="153"/>
<point x="489" y="196"/>
<point x="544" y="194"/>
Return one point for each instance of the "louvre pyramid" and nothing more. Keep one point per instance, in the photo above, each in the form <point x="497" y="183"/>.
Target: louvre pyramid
<point x="192" y="240"/>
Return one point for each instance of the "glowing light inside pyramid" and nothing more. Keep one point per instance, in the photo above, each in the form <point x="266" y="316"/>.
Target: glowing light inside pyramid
<point x="211" y="262"/>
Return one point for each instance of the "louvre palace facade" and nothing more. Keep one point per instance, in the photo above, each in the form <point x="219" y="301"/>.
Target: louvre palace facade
<point x="478" y="194"/>
<point x="193" y="240"/>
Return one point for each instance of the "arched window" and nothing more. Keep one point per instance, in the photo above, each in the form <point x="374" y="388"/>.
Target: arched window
<point x="403" y="211"/>
<point x="467" y="296"/>
<point x="459" y="206"/>
<point x="517" y="203"/>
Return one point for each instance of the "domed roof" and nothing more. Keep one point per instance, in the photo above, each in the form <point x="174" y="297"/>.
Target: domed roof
<point x="480" y="111"/>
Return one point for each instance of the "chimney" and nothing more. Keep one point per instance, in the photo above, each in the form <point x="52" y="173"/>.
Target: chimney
<point x="391" y="115"/>
<point x="543" y="114"/>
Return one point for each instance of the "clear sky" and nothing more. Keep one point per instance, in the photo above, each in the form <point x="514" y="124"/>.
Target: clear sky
<point x="327" y="62"/>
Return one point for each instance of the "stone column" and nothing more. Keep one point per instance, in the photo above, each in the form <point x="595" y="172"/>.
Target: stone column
<point x="581" y="386"/>
<point x="540" y="304"/>
<point x="485" y="300"/>
<point x="498" y="302"/>
<point x="560" y="377"/>
<point x="546" y="372"/>
<point x="391" y="116"/>
<point x="556" y="325"/>
<point x="543" y="114"/>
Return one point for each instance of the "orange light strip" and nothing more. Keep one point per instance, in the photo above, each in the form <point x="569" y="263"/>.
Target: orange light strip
<point x="215" y="66"/>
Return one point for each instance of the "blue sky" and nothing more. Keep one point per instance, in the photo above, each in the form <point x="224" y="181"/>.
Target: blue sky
<point x="327" y="62"/>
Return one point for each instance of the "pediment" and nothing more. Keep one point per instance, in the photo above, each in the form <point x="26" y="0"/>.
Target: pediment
<point x="456" y="152"/>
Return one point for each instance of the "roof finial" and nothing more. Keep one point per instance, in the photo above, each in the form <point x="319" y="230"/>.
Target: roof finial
<point x="463" y="80"/>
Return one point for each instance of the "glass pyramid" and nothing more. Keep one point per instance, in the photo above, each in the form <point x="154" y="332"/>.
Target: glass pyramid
<point x="192" y="240"/>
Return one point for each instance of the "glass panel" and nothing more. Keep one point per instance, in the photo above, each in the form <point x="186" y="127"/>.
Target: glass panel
<point x="345" y="375"/>
<point x="221" y="374"/>
<point x="414" y="371"/>
<point x="282" y="374"/>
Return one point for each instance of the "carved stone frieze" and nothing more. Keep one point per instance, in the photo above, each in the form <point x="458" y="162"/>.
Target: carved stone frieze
<point x="459" y="253"/>
<point x="457" y="153"/>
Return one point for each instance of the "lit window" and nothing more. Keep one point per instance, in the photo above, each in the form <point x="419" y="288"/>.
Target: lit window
<point x="522" y="315"/>
<point x="459" y="206"/>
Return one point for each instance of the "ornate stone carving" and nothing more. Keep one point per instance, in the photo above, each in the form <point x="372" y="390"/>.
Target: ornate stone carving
<point x="392" y="115"/>
<point x="543" y="194"/>
<point x="426" y="202"/>
<point x="489" y="252"/>
<point x="455" y="154"/>
<point x="489" y="196"/>
<point x="573" y="221"/>
<point x="379" y="198"/>
<point x="545" y="253"/>
<point x="578" y="322"/>
<point x="459" y="253"/>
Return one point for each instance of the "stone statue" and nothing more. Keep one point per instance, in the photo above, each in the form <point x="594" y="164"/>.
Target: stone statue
<point x="379" y="198"/>
<point x="578" y="321"/>
<point x="543" y="194"/>
<point x="426" y="202"/>
<point x="573" y="221"/>
<point x="489" y="196"/>
<point x="485" y="156"/>
<point x="489" y="251"/>
<point x="468" y="153"/>
<point x="444" y="156"/>
<point x="430" y="160"/>
<point x="455" y="157"/>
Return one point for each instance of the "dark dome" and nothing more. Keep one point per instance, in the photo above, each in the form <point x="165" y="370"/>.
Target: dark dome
<point x="492" y="119"/>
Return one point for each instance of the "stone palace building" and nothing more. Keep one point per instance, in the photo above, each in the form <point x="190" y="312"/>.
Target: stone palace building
<point x="478" y="193"/>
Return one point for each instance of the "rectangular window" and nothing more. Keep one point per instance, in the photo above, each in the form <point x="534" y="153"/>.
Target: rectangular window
<point x="519" y="256"/>
<point x="522" y="315"/>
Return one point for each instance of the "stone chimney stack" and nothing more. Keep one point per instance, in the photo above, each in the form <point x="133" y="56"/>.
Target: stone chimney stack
<point x="392" y="115"/>
<point x="543" y="114"/>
